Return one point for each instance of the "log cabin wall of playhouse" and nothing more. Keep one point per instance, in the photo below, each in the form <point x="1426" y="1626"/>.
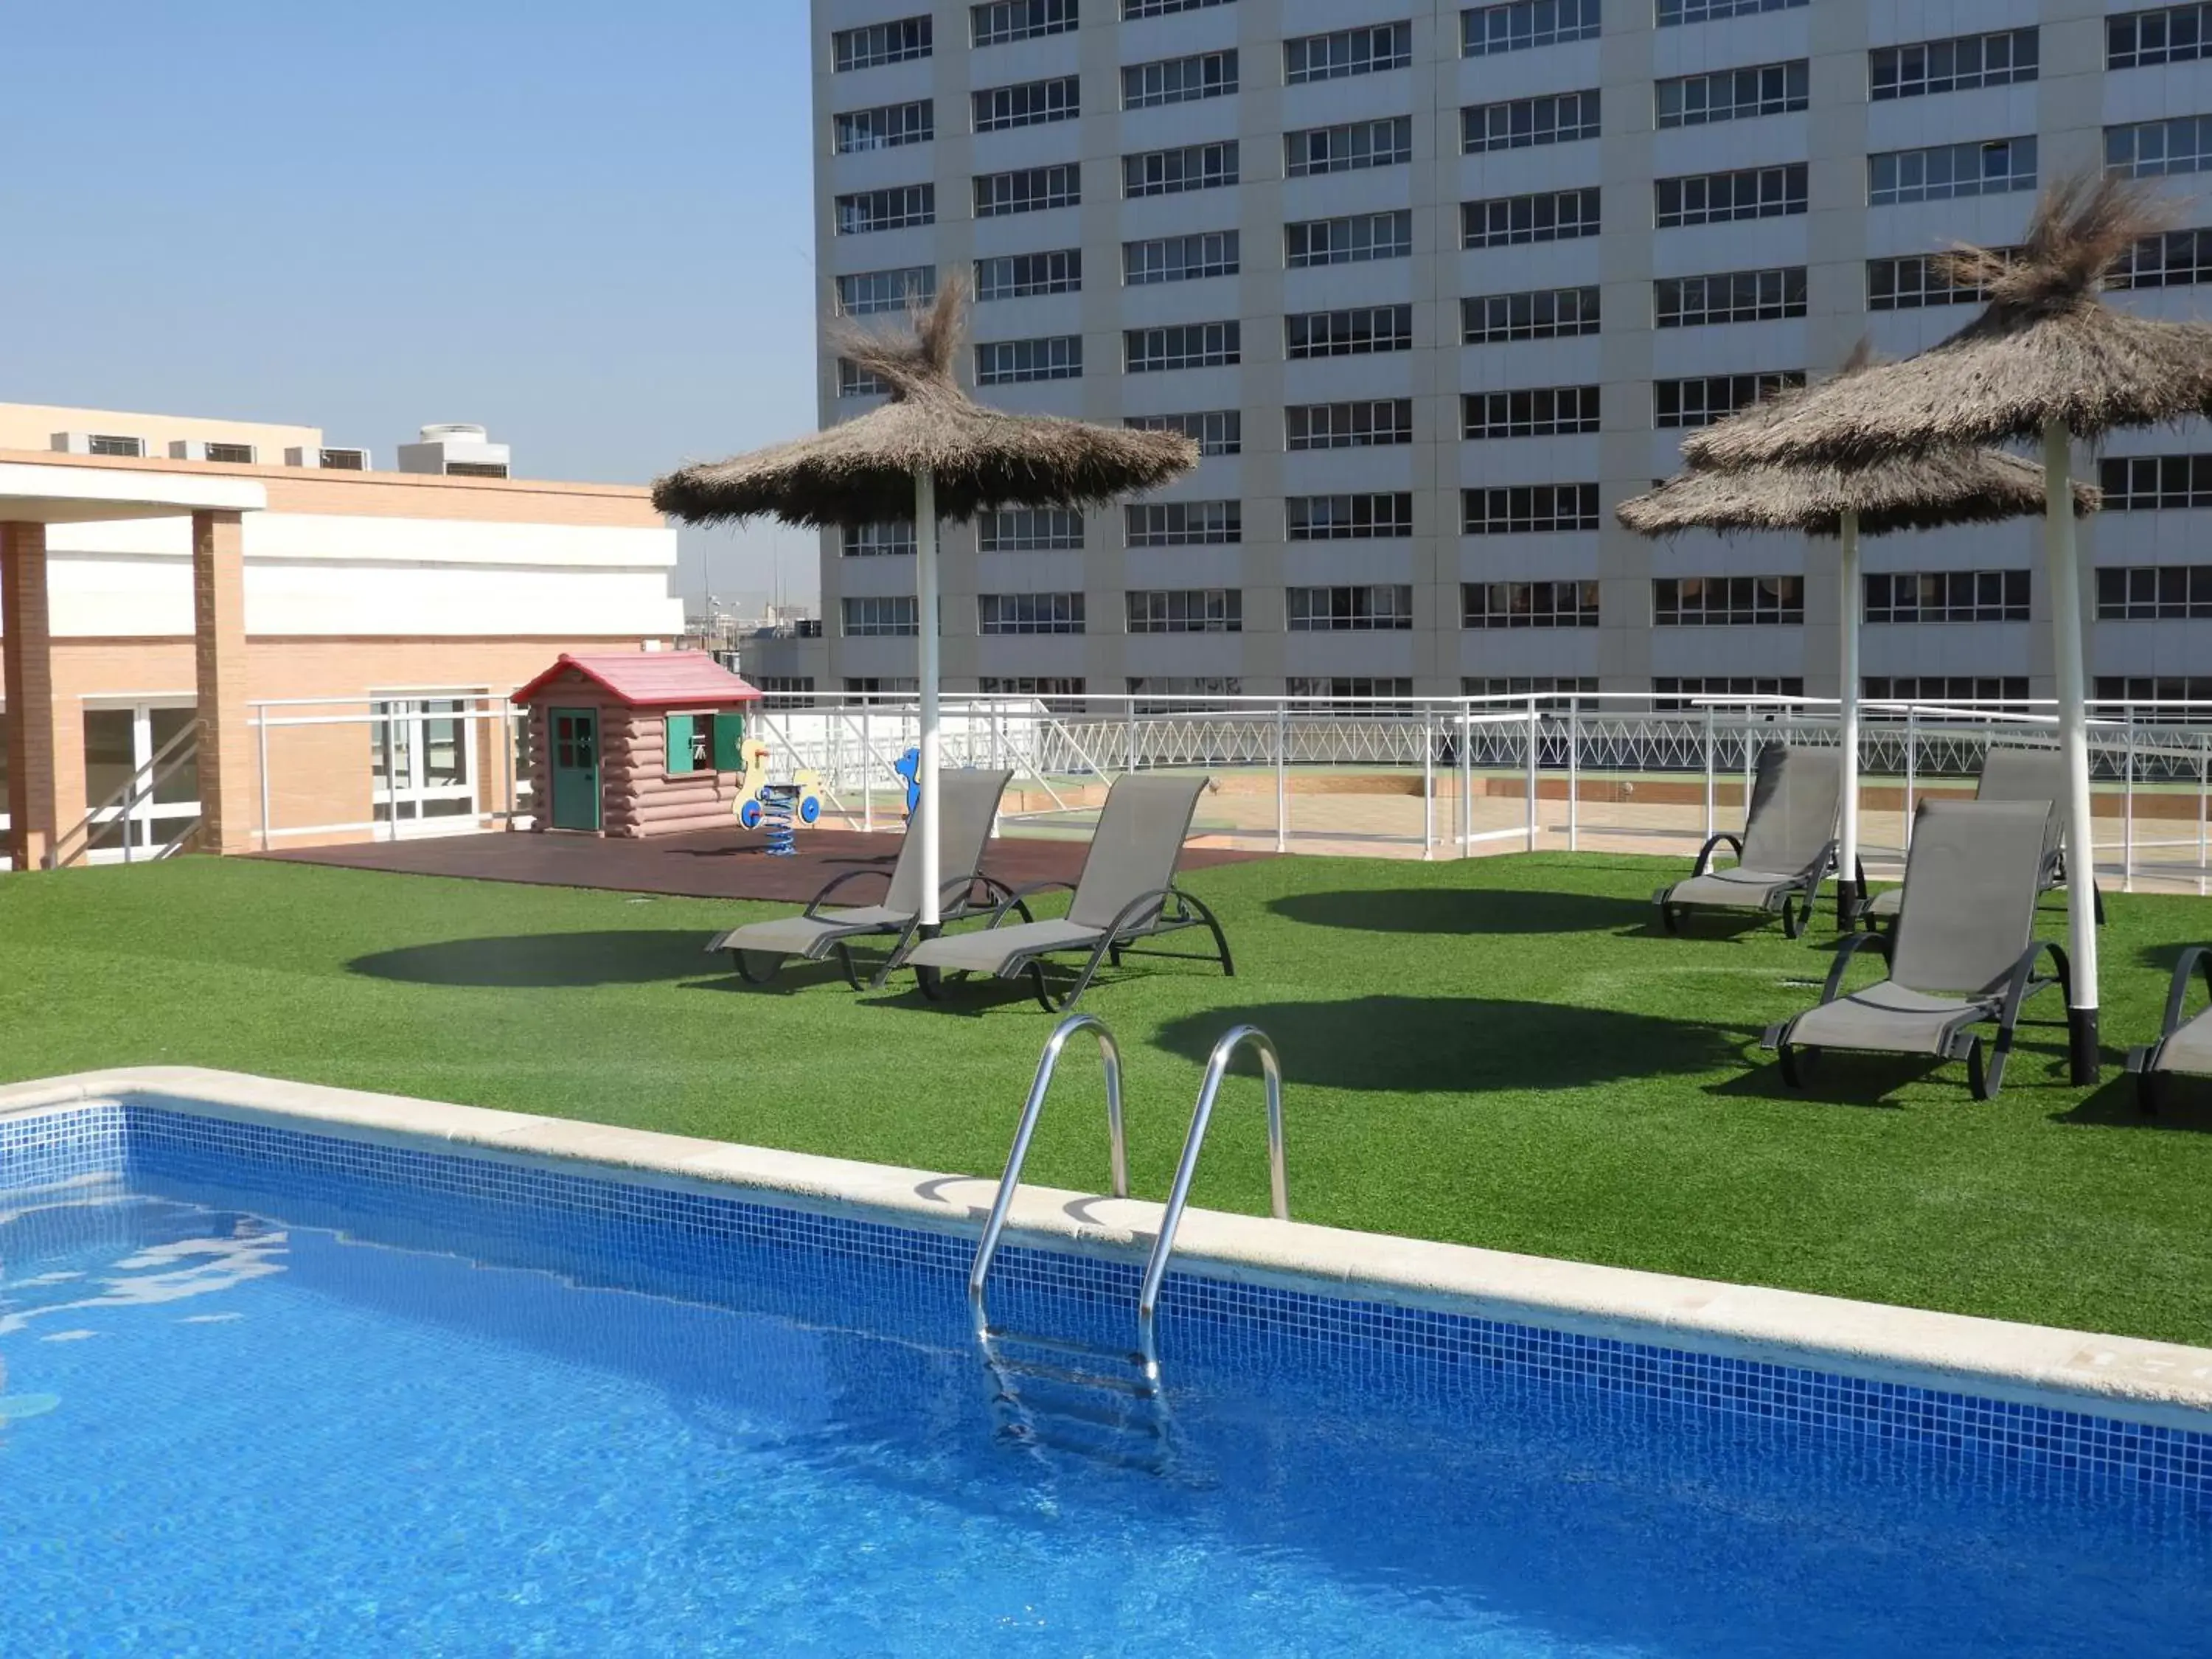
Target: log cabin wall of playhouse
<point x="635" y="744"/>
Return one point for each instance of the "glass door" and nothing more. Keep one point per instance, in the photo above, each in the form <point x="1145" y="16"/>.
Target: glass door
<point x="423" y="765"/>
<point x="127" y="818"/>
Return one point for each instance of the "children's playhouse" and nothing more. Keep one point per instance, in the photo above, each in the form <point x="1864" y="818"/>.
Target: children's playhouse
<point x="638" y="743"/>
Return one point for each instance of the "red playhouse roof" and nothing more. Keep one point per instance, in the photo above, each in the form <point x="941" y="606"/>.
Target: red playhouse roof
<point x="651" y="680"/>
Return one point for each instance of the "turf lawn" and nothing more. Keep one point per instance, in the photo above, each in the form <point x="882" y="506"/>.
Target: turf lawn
<point x="1502" y="1052"/>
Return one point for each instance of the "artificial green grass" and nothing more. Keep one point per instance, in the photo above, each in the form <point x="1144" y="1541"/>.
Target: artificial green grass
<point x="1501" y="1052"/>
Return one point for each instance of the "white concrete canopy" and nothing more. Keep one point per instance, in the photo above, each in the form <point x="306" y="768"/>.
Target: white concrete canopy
<point x="32" y="493"/>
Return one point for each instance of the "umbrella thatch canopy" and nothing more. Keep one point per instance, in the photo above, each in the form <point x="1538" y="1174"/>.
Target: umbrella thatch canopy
<point x="1962" y="486"/>
<point x="2045" y="348"/>
<point x="862" y="470"/>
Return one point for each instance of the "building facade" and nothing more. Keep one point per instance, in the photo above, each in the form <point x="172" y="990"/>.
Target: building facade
<point x="335" y="642"/>
<point x="1435" y="285"/>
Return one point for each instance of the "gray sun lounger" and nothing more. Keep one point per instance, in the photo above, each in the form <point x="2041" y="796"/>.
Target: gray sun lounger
<point x="2184" y="1046"/>
<point x="1787" y="847"/>
<point x="1126" y="892"/>
<point x="2013" y="772"/>
<point x="968" y="800"/>
<point x="1963" y="954"/>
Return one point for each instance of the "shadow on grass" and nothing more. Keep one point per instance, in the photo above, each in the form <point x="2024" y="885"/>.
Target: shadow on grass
<point x="2183" y="1103"/>
<point x="1846" y="1077"/>
<point x="547" y="961"/>
<point x="1461" y="910"/>
<point x="2163" y="957"/>
<point x="1460" y="1044"/>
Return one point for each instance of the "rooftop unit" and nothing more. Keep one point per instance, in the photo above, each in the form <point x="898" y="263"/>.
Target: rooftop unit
<point x="337" y="460"/>
<point x="456" y="451"/>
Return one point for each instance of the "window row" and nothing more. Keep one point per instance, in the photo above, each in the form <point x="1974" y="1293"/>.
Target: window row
<point x="1936" y="173"/>
<point x="2138" y="483"/>
<point x="2154" y="592"/>
<point x="1946" y="596"/>
<point x="1361" y="694"/>
<point x="1727" y="601"/>
<point x="2135" y="593"/>
<point x="1514" y="509"/>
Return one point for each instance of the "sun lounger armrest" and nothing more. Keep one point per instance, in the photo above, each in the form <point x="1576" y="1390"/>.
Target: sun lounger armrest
<point x="2023" y="980"/>
<point x="1850" y="948"/>
<point x="836" y="881"/>
<point x="959" y="894"/>
<point x="1824" y="861"/>
<point x="1706" y="853"/>
<point x="1016" y="895"/>
<point x="1126" y="917"/>
<point x="2196" y="955"/>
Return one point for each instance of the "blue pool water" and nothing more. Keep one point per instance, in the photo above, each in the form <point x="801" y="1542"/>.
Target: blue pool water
<point x="248" y="1412"/>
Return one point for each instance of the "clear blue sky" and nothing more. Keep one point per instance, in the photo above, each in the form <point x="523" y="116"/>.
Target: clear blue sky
<point x="588" y="226"/>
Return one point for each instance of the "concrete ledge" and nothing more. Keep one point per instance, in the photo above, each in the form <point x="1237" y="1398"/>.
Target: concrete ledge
<point x="2122" y="1377"/>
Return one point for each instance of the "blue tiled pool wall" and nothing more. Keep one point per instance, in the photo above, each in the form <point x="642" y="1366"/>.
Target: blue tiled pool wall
<point x="702" y="1231"/>
<point x="41" y="1149"/>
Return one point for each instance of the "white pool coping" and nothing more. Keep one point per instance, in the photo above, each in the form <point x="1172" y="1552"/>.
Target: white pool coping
<point x="2122" y="1377"/>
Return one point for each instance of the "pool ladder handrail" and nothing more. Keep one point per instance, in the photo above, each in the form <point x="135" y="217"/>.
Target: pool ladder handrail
<point x="1217" y="1067"/>
<point x="1109" y="1055"/>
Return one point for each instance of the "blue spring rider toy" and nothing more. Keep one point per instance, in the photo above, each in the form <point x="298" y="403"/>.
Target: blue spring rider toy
<point x="909" y="767"/>
<point x="781" y="809"/>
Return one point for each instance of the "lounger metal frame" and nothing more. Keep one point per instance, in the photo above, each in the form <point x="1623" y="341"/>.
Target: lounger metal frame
<point x="1797" y="893"/>
<point x="958" y="899"/>
<point x="1172" y="911"/>
<point x="1959" y="1038"/>
<point x="2147" y="1060"/>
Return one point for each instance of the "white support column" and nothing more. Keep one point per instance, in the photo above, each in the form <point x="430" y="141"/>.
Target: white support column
<point x="925" y="606"/>
<point x="2073" y="736"/>
<point x="1848" y="896"/>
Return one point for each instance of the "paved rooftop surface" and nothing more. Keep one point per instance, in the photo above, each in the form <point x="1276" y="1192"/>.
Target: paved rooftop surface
<point x="722" y="863"/>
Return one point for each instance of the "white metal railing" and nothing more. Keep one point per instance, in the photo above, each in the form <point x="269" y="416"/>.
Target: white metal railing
<point x="1549" y="769"/>
<point x="119" y="819"/>
<point x="397" y="735"/>
<point x="2156" y="757"/>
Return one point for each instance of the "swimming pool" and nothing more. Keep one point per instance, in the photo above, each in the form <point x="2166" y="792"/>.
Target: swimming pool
<point x="279" y="1391"/>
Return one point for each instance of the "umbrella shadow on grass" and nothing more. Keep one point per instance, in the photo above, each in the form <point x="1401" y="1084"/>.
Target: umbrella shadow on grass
<point x="2183" y="1103"/>
<point x="1463" y="910"/>
<point x="545" y="961"/>
<point x="1460" y="1045"/>
<point x="1845" y="1076"/>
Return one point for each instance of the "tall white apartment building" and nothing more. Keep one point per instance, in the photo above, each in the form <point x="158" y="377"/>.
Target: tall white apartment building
<point x="1435" y="285"/>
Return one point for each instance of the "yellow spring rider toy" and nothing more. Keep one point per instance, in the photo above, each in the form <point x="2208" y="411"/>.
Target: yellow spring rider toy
<point x="783" y="806"/>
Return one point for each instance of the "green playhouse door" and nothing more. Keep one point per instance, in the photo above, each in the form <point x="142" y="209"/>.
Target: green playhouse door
<point x="575" y="768"/>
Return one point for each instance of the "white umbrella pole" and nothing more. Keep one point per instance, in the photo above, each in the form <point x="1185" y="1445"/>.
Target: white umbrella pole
<point x="2074" y="735"/>
<point x="1848" y="896"/>
<point x="924" y="605"/>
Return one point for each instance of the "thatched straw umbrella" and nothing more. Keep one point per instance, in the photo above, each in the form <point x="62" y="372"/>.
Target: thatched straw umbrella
<point x="934" y="452"/>
<point x="2046" y="358"/>
<point x="1951" y="487"/>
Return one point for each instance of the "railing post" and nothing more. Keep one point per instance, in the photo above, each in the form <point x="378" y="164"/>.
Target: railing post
<point x="1911" y="766"/>
<point x="261" y="748"/>
<point x="1712" y="761"/>
<point x="1574" y="772"/>
<point x="2204" y="795"/>
<point x="1283" y="776"/>
<point x="1428" y="785"/>
<point x="867" y="773"/>
<point x="998" y="759"/>
<point x="1466" y="779"/>
<point x="2128" y="814"/>
<point x="1533" y="770"/>
<point x="390" y="782"/>
<point x="1130" y="728"/>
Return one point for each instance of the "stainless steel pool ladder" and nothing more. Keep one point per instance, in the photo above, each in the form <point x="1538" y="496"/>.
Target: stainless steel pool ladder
<point x="1279" y="1180"/>
<point x="1136" y="1375"/>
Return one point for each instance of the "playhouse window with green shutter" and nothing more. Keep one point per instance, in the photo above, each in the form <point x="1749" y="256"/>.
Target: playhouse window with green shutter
<point x="699" y="742"/>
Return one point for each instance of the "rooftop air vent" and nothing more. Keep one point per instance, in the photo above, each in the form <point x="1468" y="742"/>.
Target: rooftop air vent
<point x="455" y="449"/>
